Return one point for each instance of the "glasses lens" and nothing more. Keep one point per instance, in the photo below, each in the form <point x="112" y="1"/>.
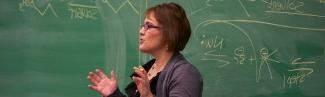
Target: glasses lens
<point x="148" y="26"/>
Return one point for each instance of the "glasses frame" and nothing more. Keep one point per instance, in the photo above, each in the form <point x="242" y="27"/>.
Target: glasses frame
<point x="148" y="26"/>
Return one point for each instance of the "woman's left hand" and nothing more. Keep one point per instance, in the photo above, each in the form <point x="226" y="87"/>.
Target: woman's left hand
<point x="142" y="82"/>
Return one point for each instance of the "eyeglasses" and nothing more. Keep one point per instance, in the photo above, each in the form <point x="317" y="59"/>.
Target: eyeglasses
<point x="148" y="26"/>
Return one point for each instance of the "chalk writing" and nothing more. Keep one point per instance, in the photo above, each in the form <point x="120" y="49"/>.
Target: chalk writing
<point x="292" y="13"/>
<point x="298" y="61"/>
<point x="223" y="60"/>
<point x="288" y="7"/>
<point x="252" y="59"/>
<point x="297" y="77"/>
<point x="204" y="23"/>
<point x="79" y="11"/>
<point x="31" y="4"/>
<point x="210" y="2"/>
<point x="214" y="55"/>
<point x="212" y="43"/>
<point x="122" y="5"/>
<point x="244" y="8"/>
<point x="265" y="60"/>
<point x="284" y="5"/>
<point x="239" y="55"/>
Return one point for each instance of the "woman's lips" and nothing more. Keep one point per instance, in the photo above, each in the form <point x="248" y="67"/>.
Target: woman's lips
<point x="141" y="41"/>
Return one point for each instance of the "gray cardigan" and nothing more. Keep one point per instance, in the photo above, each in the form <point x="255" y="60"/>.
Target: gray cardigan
<point x="178" y="79"/>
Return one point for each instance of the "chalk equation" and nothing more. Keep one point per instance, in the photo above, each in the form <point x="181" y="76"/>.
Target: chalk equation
<point x="263" y="58"/>
<point x="284" y="5"/>
<point x="116" y="10"/>
<point x="296" y="76"/>
<point x="24" y="4"/>
<point x="77" y="10"/>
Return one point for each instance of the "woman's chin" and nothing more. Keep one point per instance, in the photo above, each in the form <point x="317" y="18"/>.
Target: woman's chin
<point x="143" y="50"/>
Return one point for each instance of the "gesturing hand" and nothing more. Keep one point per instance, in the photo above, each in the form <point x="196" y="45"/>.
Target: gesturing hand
<point x="101" y="83"/>
<point x="142" y="82"/>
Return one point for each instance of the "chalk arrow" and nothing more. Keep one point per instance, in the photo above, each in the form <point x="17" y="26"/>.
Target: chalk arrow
<point x="298" y="61"/>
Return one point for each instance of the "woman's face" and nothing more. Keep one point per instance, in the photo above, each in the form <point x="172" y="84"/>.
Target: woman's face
<point x="150" y="35"/>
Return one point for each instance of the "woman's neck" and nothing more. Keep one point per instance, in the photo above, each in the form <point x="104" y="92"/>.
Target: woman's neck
<point x="162" y="58"/>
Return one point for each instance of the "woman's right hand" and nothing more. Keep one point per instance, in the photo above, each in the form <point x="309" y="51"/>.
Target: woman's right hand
<point x="101" y="83"/>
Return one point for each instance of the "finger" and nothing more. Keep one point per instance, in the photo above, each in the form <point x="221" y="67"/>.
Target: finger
<point x="94" y="76"/>
<point x="140" y="73"/>
<point x="141" y="84"/>
<point x="137" y="83"/>
<point x="93" y="81"/>
<point x="93" y="87"/>
<point x="134" y="68"/>
<point x="100" y="74"/>
<point x="137" y="80"/>
<point x="113" y="77"/>
<point x="143" y="70"/>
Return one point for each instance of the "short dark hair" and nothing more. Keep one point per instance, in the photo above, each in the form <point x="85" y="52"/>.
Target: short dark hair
<point x="175" y="26"/>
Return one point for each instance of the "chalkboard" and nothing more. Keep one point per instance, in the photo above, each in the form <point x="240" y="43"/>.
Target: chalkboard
<point x="243" y="48"/>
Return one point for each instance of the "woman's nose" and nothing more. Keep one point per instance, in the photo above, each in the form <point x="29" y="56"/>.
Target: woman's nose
<point x="141" y="31"/>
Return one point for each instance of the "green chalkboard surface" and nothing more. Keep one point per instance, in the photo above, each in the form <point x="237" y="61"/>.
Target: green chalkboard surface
<point x="243" y="48"/>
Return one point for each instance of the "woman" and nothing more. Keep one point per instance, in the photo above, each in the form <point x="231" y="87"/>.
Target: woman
<point x="165" y="32"/>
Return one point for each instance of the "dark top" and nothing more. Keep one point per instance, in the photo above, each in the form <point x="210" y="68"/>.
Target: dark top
<point x="179" y="78"/>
